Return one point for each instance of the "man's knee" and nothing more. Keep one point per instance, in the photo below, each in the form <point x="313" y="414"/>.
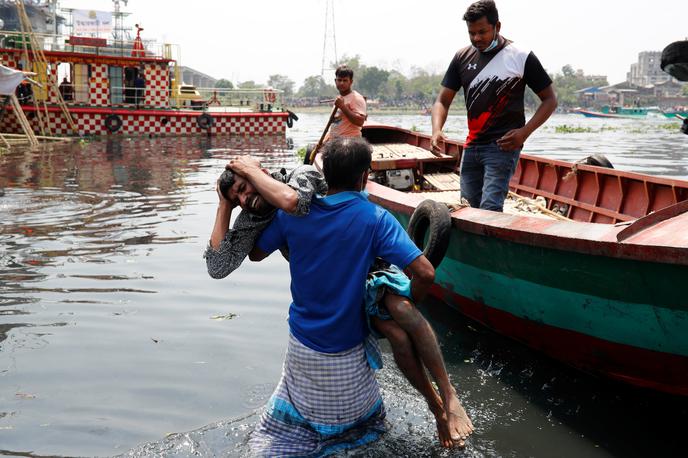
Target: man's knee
<point x="398" y="338"/>
<point x="403" y="311"/>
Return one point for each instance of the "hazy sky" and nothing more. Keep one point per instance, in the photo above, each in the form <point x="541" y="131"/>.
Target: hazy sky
<point x="250" y="40"/>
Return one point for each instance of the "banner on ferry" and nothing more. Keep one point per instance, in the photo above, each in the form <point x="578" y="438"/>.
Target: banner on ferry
<point x="92" y="23"/>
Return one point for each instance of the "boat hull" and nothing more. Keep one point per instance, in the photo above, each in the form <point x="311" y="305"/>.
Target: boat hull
<point x="604" y="298"/>
<point x="598" y="114"/>
<point x="620" y="318"/>
<point x="91" y="121"/>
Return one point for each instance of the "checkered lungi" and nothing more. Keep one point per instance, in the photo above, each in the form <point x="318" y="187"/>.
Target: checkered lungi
<point x="324" y="403"/>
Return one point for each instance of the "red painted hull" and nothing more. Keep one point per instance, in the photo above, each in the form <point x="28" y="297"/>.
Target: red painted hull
<point x="153" y="121"/>
<point x="637" y="337"/>
<point x="632" y="365"/>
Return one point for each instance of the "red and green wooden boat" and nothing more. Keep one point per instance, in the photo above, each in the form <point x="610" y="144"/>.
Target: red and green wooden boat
<point x="602" y="290"/>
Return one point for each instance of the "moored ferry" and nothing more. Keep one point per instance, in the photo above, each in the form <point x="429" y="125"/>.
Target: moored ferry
<point x="103" y="86"/>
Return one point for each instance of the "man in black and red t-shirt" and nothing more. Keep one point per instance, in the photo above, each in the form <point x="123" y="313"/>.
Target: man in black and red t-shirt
<point x="493" y="73"/>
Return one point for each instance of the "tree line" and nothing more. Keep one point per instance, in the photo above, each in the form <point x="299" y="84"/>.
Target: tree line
<point x="393" y="89"/>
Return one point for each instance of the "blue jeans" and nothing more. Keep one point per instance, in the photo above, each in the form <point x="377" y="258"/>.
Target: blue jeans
<point x="485" y="174"/>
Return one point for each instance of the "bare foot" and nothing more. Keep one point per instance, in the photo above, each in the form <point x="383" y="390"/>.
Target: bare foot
<point x="460" y="426"/>
<point x="442" y="425"/>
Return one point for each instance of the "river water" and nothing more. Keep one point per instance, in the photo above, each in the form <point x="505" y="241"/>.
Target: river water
<point x="114" y="340"/>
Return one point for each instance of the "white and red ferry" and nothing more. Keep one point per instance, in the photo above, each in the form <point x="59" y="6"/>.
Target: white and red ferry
<point x="118" y="87"/>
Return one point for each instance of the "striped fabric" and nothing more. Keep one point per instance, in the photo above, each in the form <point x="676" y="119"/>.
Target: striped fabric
<point x="324" y="403"/>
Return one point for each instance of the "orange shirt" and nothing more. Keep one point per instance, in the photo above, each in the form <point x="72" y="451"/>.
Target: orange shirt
<point x="342" y="127"/>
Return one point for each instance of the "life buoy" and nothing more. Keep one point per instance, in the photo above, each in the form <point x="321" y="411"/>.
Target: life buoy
<point x="269" y="96"/>
<point x="432" y="218"/>
<point x="113" y="123"/>
<point x="205" y="121"/>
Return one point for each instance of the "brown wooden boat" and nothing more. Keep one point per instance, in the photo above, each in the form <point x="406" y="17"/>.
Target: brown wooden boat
<point x="594" y="280"/>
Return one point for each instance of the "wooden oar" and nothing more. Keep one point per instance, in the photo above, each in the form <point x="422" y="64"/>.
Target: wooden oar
<point x="311" y="157"/>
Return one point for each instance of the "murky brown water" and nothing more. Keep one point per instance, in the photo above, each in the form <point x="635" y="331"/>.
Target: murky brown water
<point x="112" y="335"/>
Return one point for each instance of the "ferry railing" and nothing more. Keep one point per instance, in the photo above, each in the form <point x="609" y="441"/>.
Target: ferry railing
<point x="52" y="42"/>
<point x="258" y="99"/>
<point x="212" y="99"/>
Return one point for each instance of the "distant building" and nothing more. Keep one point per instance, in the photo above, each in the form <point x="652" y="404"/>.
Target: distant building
<point x="647" y="70"/>
<point x="196" y="78"/>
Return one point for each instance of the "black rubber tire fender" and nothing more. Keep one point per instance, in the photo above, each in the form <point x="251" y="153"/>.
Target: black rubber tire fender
<point x="675" y="60"/>
<point x="205" y="121"/>
<point x="599" y="160"/>
<point x="291" y="118"/>
<point x="113" y="123"/>
<point x="433" y="218"/>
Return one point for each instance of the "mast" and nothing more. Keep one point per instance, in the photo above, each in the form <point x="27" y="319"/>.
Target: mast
<point x="329" y="14"/>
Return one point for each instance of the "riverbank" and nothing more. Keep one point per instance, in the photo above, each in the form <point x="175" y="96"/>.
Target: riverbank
<point x="327" y="108"/>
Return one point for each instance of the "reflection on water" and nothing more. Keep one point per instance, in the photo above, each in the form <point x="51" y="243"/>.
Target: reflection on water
<point x="109" y="329"/>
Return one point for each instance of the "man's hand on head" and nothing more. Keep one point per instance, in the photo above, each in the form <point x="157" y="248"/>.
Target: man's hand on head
<point x="243" y="164"/>
<point x="222" y="200"/>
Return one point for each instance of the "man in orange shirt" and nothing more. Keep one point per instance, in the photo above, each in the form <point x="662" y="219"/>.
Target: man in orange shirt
<point x="351" y="113"/>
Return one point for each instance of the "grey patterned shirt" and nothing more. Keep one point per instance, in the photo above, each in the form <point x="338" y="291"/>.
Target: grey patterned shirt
<point x="239" y="240"/>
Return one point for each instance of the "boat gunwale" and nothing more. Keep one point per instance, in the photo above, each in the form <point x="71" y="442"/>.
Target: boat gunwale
<point x="598" y="239"/>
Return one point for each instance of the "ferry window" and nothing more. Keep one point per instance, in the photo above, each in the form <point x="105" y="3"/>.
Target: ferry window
<point x="130" y="74"/>
<point x="80" y="83"/>
<point x="65" y="81"/>
<point x="116" y="77"/>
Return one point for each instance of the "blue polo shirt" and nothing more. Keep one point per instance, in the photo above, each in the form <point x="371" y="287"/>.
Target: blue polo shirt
<point x="330" y="252"/>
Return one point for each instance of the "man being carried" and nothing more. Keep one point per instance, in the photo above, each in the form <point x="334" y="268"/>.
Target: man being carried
<point x="493" y="74"/>
<point x="411" y="337"/>
<point x="328" y="388"/>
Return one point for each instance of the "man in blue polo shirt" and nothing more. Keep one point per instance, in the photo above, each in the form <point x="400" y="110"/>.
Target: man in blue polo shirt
<point x="328" y="398"/>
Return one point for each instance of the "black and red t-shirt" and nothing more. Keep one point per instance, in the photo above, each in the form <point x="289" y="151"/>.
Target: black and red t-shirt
<point x="493" y="85"/>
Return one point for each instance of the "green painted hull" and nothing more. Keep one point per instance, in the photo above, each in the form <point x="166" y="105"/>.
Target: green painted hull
<point x="619" y="309"/>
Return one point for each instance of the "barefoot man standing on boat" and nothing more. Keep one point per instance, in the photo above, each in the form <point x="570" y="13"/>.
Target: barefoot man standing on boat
<point x="493" y="73"/>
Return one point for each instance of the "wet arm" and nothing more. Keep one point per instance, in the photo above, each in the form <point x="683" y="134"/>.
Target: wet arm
<point x="222" y="217"/>
<point x="422" y="276"/>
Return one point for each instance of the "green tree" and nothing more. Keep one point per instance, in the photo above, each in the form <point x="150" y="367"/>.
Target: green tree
<point x="371" y="81"/>
<point x="315" y="87"/>
<point x="224" y="84"/>
<point x="283" y="83"/>
<point x="567" y="71"/>
<point x="353" y="62"/>
<point x="250" y="84"/>
<point x="566" y="84"/>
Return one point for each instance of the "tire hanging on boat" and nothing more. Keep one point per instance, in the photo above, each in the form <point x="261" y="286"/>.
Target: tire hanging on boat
<point x="205" y="121"/>
<point x="675" y="60"/>
<point x="432" y="218"/>
<point x="599" y="160"/>
<point x="113" y="123"/>
<point x="291" y="118"/>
